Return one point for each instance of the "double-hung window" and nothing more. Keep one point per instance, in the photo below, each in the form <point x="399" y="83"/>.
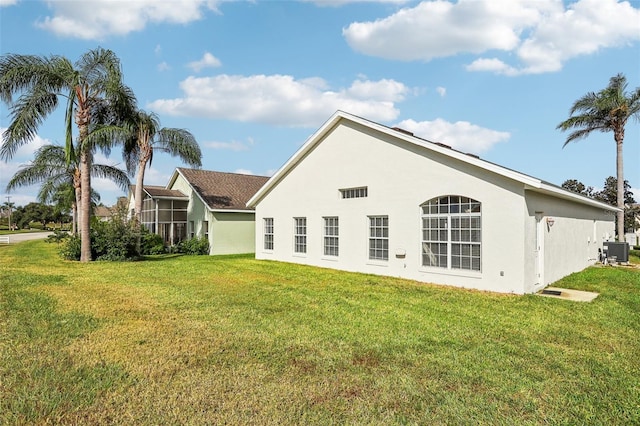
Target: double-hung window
<point x="300" y="235"/>
<point x="452" y="233"/>
<point x="331" y="236"/>
<point x="268" y="233"/>
<point x="379" y="237"/>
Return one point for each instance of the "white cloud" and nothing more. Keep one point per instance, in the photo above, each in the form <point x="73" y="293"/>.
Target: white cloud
<point x="442" y="91"/>
<point x="96" y="19"/>
<point x="493" y="65"/>
<point x="207" y="61"/>
<point x="281" y="99"/>
<point x="243" y="171"/>
<point x="460" y="135"/>
<point x="163" y="66"/>
<point x="338" y="3"/>
<point x="8" y="2"/>
<point x="18" y="199"/>
<point x="542" y="34"/>
<point x="153" y="176"/>
<point x="232" y="146"/>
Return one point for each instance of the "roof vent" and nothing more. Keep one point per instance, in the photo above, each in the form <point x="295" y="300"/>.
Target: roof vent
<point x="442" y="145"/>
<point x="398" y="129"/>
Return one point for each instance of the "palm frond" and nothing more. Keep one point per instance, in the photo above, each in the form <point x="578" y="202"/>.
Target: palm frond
<point x="180" y="143"/>
<point x="119" y="177"/>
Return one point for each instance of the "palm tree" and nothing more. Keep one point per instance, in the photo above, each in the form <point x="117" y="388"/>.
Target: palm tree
<point x="50" y="167"/>
<point x="93" y="81"/>
<point x="147" y="138"/>
<point x="606" y="111"/>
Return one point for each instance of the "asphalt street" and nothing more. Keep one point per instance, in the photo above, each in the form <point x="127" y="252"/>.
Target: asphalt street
<point x="17" y="238"/>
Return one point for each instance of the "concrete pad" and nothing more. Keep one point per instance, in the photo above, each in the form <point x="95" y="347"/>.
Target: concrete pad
<point x="568" y="294"/>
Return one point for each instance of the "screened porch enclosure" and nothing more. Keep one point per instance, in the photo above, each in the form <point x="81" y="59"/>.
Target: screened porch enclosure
<point x="166" y="217"/>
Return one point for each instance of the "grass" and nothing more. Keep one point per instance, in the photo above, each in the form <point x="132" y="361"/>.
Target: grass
<point x="201" y="340"/>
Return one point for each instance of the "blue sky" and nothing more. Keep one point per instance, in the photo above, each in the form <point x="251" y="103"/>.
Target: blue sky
<point x="252" y="80"/>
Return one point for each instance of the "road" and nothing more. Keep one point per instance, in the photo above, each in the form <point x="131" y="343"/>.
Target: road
<point x="18" y="238"/>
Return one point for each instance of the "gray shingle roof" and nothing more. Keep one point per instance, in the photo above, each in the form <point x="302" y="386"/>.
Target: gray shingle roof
<point x="220" y="190"/>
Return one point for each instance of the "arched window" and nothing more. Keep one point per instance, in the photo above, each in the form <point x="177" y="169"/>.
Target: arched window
<point x="451" y="233"/>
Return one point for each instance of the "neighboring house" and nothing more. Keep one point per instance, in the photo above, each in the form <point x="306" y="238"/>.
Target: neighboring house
<point x="360" y="196"/>
<point x="102" y="213"/>
<point x="205" y="204"/>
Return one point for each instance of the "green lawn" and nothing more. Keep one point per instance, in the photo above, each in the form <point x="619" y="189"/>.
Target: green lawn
<point x="232" y="340"/>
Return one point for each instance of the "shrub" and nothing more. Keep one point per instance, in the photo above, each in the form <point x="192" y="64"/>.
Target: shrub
<point x="57" y="236"/>
<point x="70" y="249"/>
<point x="150" y="243"/>
<point x="194" y="246"/>
<point x="114" y="240"/>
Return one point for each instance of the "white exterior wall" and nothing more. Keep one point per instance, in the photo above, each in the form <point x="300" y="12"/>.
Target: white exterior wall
<point x="572" y="234"/>
<point x="399" y="178"/>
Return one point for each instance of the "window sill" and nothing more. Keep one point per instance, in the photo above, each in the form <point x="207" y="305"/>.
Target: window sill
<point x="451" y="272"/>
<point x="384" y="263"/>
<point x="330" y="258"/>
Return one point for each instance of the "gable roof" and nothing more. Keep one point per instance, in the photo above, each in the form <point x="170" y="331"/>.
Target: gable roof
<point x="221" y="190"/>
<point x="102" y="211"/>
<point x="529" y="182"/>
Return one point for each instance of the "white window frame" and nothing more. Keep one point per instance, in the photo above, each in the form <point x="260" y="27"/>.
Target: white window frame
<point x="205" y="229"/>
<point x="268" y="233"/>
<point x="378" y="238"/>
<point x="331" y="236"/>
<point x="359" y="192"/>
<point x="300" y="235"/>
<point x="451" y="237"/>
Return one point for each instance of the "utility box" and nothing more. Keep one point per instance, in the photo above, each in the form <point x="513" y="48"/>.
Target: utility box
<point x="619" y="250"/>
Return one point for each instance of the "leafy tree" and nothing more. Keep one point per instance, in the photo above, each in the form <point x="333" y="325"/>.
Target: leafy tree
<point x="578" y="187"/>
<point x="91" y="87"/>
<point x="146" y="139"/>
<point x="61" y="179"/>
<point x="606" y="111"/>
<point x="609" y="195"/>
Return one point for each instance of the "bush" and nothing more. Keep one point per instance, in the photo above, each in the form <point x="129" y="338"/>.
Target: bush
<point x="150" y="243"/>
<point x="194" y="246"/>
<point x="114" y="240"/>
<point x="57" y="236"/>
<point x="70" y="249"/>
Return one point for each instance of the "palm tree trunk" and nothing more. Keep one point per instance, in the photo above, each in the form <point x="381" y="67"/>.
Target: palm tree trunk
<point x="74" y="214"/>
<point x="85" y="206"/>
<point x="138" y="193"/>
<point x="620" y="186"/>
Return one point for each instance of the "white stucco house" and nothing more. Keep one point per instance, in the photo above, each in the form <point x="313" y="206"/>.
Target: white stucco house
<point x="202" y="203"/>
<point x="360" y="196"/>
